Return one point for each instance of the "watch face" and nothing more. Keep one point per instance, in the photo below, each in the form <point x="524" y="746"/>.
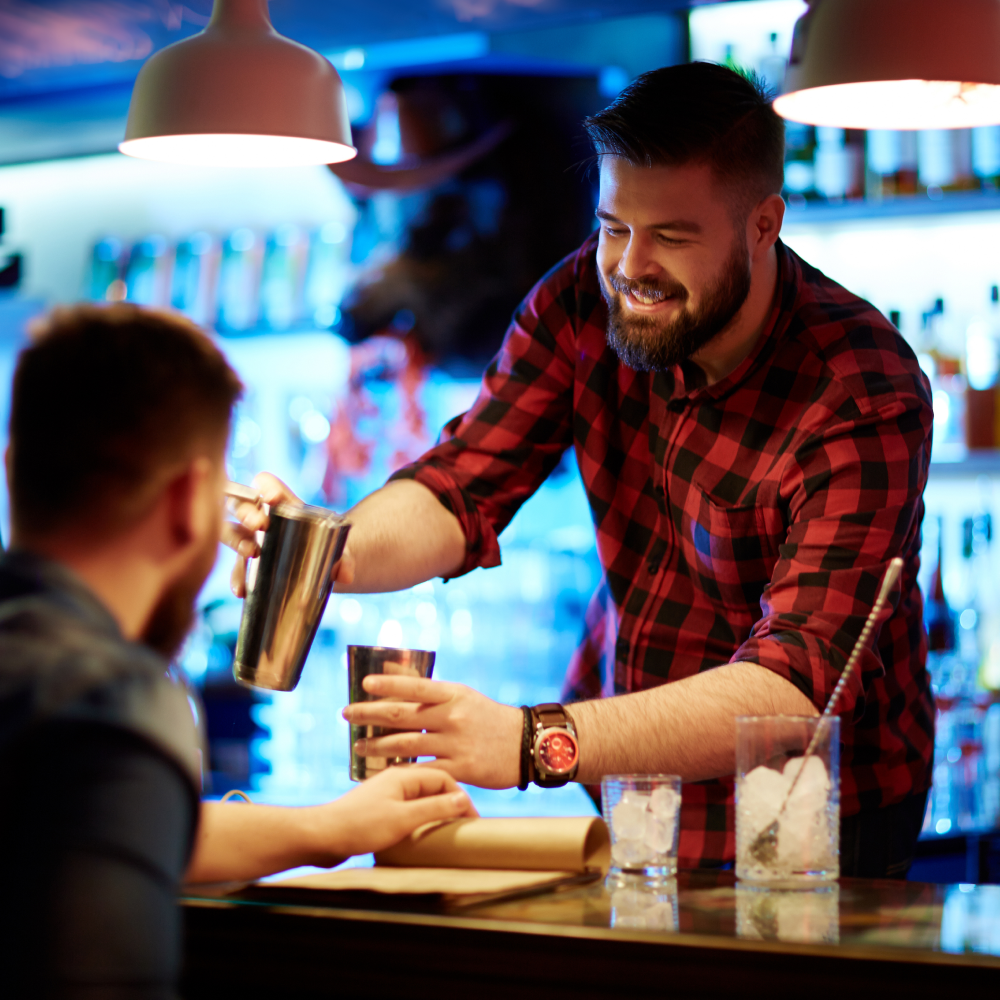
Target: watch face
<point x="557" y="751"/>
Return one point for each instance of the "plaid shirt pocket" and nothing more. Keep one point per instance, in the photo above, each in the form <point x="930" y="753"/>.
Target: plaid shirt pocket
<point x="734" y="551"/>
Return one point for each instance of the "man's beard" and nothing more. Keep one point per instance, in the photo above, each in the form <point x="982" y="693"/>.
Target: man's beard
<point x="173" y="615"/>
<point x="647" y="344"/>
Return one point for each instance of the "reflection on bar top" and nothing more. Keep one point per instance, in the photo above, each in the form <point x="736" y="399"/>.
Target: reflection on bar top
<point x="876" y="914"/>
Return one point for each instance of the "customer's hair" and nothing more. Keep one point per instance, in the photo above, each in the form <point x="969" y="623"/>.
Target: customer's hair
<point x="107" y="401"/>
<point x="698" y="113"/>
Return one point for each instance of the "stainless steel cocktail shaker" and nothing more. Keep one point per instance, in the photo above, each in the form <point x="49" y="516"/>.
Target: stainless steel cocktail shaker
<point x="365" y="660"/>
<point x="287" y="589"/>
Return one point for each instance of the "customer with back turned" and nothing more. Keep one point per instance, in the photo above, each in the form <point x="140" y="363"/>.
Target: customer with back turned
<point x="119" y="421"/>
<point x="754" y="441"/>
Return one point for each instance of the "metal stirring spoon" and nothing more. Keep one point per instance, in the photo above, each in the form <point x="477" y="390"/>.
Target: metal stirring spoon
<point x="764" y="848"/>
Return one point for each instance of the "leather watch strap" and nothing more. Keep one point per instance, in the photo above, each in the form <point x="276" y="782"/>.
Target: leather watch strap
<point x="546" y="716"/>
<point x="527" y="734"/>
<point x="551" y="714"/>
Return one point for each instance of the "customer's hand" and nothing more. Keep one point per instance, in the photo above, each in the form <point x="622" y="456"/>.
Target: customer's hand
<point x="473" y="738"/>
<point x="388" y="807"/>
<point x="240" y="842"/>
<point x="240" y="534"/>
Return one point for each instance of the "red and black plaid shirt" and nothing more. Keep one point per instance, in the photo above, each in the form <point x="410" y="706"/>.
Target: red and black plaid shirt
<point x="748" y="520"/>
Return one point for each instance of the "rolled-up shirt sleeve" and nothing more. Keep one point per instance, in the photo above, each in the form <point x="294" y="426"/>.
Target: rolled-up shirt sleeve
<point x="492" y="458"/>
<point x="853" y="499"/>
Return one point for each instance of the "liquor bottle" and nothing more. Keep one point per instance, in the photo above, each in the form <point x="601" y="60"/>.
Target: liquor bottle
<point x="147" y="275"/>
<point x="986" y="156"/>
<point x="327" y="273"/>
<point x="891" y="164"/>
<point x="773" y="66"/>
<point x="938" y="617"/>
<point x="945" y="161"/>
<point x="839" y="163"/>
<point x="283" y="277"/>
<point x="989" y="620"/>
<point x="982" y="367"/>
<point x="882" y="161"/>
<point x="193" y="283"/>
<point x="106" y="267"/>
<point x="941" y="349"/>
<point x="239" y="282"/>
<point x="800" y="166"/>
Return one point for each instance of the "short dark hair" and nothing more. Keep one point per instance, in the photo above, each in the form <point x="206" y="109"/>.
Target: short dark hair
<point x="698" y="112"/>
<point x="105" y="400"/>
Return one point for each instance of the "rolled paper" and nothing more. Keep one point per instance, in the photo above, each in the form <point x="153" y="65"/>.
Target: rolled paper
<point x="562" y="843"/>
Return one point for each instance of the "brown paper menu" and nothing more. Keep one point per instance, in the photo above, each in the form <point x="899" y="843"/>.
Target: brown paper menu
<point x="474" y="860"/>
<point x="563" y="843"/>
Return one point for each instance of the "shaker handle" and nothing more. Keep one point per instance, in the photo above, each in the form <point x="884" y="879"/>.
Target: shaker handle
<point x="240" y="492"/>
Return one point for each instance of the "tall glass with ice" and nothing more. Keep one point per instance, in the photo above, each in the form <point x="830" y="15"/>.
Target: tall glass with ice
<point x="642" y="812"/>
<point x="769" y="754"/>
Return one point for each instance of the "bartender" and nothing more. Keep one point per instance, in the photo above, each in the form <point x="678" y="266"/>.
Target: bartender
<point x="754" y="441"/>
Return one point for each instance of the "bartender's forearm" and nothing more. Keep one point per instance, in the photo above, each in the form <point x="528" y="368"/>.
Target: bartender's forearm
<point x="400" y="536"/>
<point x="686" y="727"/>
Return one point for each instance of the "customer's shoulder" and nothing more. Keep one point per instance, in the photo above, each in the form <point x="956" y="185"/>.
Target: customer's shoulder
<point x="55" y="667"/>
<point x="851" y="342"/>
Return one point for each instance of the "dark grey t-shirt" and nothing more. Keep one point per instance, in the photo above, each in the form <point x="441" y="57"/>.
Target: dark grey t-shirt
<point x="98" y="795"/>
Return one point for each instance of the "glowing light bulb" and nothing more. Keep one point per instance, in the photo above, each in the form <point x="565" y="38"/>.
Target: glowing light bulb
<point x="225" y="150"/>
<point x="894" y="104"/>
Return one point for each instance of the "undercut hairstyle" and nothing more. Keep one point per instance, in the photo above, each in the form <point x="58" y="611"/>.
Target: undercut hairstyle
<point x="698" y="113"/>
<point x="107" y="403"/>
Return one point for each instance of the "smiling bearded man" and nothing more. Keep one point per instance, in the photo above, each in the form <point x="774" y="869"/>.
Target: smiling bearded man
<point x="754" y="443"/>
<point x="652" y="343"/>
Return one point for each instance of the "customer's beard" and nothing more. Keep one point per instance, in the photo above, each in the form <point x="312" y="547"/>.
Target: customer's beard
<point x="173" y="615"/>
<point x="646" y="344"/>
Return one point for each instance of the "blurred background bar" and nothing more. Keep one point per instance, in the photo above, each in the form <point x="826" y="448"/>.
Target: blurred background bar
<point x="361" y="309"/>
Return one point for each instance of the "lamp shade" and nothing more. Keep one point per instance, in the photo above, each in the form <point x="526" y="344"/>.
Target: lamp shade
<point x="895" y="64"/>
<point x="238" y="94"/>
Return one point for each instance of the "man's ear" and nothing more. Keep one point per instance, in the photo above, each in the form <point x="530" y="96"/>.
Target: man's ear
<point x="766" y="220"/>
<point x="189" y="498"/>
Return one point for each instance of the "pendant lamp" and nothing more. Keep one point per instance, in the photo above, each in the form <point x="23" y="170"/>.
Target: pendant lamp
<point x="238" y="94"/>
<point x="895" y="64"/>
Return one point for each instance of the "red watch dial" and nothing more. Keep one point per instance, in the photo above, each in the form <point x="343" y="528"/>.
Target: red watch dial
<point x="557" y="751"/>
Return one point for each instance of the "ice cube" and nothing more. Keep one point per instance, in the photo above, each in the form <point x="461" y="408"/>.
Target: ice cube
<point x="804" y="841"/>
<point x="629" y="853"/>
<point x="813" y="785"/>
<point x="659" y="836"/>
<point x="760" y="795"/>
<point x="628" y="820"/>
<point x="638" y="799"/>
<point x="664" y="802"/>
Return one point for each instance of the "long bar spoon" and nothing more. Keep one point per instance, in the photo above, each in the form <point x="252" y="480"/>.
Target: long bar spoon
<point x="764" y="848"/>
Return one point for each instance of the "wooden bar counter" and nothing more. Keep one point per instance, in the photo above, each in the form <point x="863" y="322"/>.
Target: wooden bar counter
<point x="708" y="938"/>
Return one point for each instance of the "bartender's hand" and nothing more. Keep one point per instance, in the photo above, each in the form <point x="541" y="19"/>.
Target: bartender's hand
<point x="473" y="738"/>
<point x="239" y="534"/>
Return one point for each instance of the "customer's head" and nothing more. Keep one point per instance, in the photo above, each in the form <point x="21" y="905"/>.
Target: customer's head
<point x="118" y="426"/>
<point x="691" y="161"/>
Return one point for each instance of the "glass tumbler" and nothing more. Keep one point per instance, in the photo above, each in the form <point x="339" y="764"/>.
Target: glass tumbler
<point x="642" y="812"/>
<point x="769" y="755"/>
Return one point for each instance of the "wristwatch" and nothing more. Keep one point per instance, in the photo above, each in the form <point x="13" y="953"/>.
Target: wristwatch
<point x="555" y="752"/>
